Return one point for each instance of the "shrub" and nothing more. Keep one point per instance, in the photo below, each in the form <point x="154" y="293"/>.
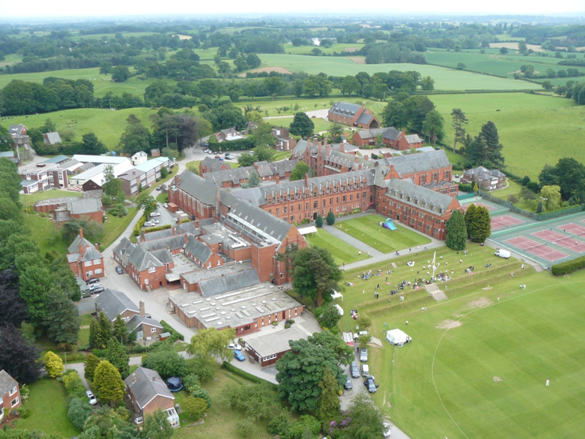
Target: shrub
<point x="199" y="392"/>
<point x="73" y="382"/>
<point x="194" y="407"/>
<point x="568" y="267"/>
<point x="24" y="412"/>
<point x="252" y="378"/>
<point x="330" y="218"/>
<point x="319" y="221"/>
<point x="53" y="364"/>
<point x="139" y="225"/>
<point x="170" y="329"/>
<point x="78" y="412"/>
<point x="279" y="425"/>
<point x="245" y="427"/>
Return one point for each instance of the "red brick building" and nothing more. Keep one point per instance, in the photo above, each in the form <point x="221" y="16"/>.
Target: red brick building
<point x="269" y="348"/>
<point x="9" y="393"/>
<point x="353" y="115"/>
<point x="391" y="137"/>
<point x="212" y="165"/>
<point x="66" y="208"/>
<point x="84" y="258"/>
<point x="284" y="141"/>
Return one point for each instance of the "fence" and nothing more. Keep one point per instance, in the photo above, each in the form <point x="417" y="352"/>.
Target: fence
<point x="465" y="196"/>
<point x="535" y="216"/>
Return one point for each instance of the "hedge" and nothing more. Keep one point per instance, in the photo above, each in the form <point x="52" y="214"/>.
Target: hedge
<point x="174" y="334"/>
<point x="252" y="378"/>
<point x="232" y="145"/>
<point x="157" y="228"/>
<point x="568" y="267"/>
<point x="139" y="225"/>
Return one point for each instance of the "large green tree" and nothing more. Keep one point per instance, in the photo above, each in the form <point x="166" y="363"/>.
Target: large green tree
<point x="135" y="137"/>
<point x="156" y="426"/>
<point x="90" y="364"/>
<point x="92" y="145"/>
<point x="118" y="356"/>
<point x="394" y="115"/>
<point x="302" y="125"/>
<point x="456" y="231"/>
<point x="166" y="361"/>
<point x="212" y="343"/>
<point x="366" y="420"/>
<point x="315" y="273"/>
<point x="298" y="173"/>
<point x="36" y="283"/>
<point x="433" y="126"/>
<point x="571" y="179"/>
<point x="480" y="227"/>
<point x="328" y="406"/>
<point x="18" y="356"/>
<point x="458" y="122"/>
<point x="108" y="383"/>
<point x="470" y="217"/>
<point x="489" y="133"/>
<point x="62" y="318"/>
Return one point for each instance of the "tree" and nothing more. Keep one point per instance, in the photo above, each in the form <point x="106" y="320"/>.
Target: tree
<point x="120" y="73"/>
<point x="157" y="426"/>
<point x="274" y="85"/>
<point x="394" y="115"/>
<point x="135" y="137"/>
<point x="254" y="179"/>
<point x="105" y="331"/>
<point x="330" y="218"/>
<point x="459" y="120"/>
<point x="36" y="283"/>
<point x="203" y="367"/>
<point x="547" y="176"/>
<point x="328" y="406"/>
<point x="90" y="364"/>
<point x="263" y="153"/>
<point x="13" y="309"/>
<point x="298" y="173"/>
<point x="456" y="231"/>
<point x="92" y="145"/>
<point x="166" y="361"/>
<point x="315" y="273"/>
<point x="480" y="227"/>
<point x="335" y="132"/>
<point x="62" y="318"/>
<point x="194" y="407"/>
<point x="547" y="85"/>
<point x="461" y="66"/>
<point x="427" y="83"/>
<point x="78" y="412"/>
<point x="212" y="343"/>
<point x="350" y="85"/>
<point x="366" y="420"/>
<point x="300" y="371"/>
<point x="108" y="383"/>
<point x="18" y="356"/>
<point x="330" y="316"/>
<point x="302" y="125"/>
<point x="470" y="217"/>
<point x="489" y="133"/>
<point x="343" y="352"/>
<point x="118" y="357"/>
<point x="147" y="202"/>
<point x="246" y="160"/>
<point x="319" y="221"/>
<point x="552" y="196"/>
<point x="571" y="179"/>
<point x="53" y="364"/>
<point x="120" y="331"/>
<point x="433" y="126"/>
<point x="503" y="50"/>
<point x="540" y="207"/>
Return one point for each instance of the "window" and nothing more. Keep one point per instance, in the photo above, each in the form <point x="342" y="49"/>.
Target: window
<point x="446" y="175"/>
<point x="12" y="391"/>
<point x="152" y="330"/>
<point x="89" y="273"/>
<point x="300" y="206"/>
<point x="338" y="199"/>
<point x="292" y="208"/>
<point x="330" y="201"/>
<point x="351" y="197"/>
<point x="435" y="176"/>
<point x="15" y="401"/>
<point x="423" y="179"/>
<point x="324" y="202"/>
<point x="292" y="218"/>
<point x="98" y="271"/>
<point x="151" y="270"/>
<point x="344" y="198"/>
<point x="88" y="264"/>
<point x="284" y="209"/>
<point x="277" y="210"/>
<point x="315" y="204"/>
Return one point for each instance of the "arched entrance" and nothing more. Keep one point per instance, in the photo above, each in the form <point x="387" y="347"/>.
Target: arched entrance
<point x="315" y="216"/>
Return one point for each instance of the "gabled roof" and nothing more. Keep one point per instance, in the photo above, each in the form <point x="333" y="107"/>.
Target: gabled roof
<point x="198" y="249"/>
<point x="16" y="129"/>
<point x="229" y="282"/>
<point x="413" y="138"/>
<point x="80" y="206"/>
<point x="163" y="255"/>
<point x="232" y="175"/>
<point x="197" y="186"/>
<point x="175" y="242"/>
<point x="421" y="197"/>
<point x="124" y="249"/>
<point x="7" y="383"/>
<point x="145" y="385"/>
<point x="113" y="302"/>
<point x="420" y="162"/>
<point x="166" y="233"/>
<point x="52" y="138"/>
<point x="57" y="159"/>
<point x="345" y="109"/>
<point x="365" y="118"/>
<point x="143" y="259"/>
<point x="74" y="247"/>
<point x="91" y="254"/>
<point x="151" y="164"/>
<point x="138" y="320"/>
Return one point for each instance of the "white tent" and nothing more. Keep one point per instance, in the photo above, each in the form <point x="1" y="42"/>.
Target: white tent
<point x="339" y="309"/>
<point x="397" y="337"/>
<point x="308" y="230"/>
<point x="336" y="295"/>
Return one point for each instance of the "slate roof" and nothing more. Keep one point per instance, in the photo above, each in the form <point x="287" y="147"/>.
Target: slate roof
<point x="113" y="302"/>
<point x="195" y="185"/>
<point x="164" y="256"/>
<point x="425" y="161"/>
<point x="421" y="197"/>
<point x="91" y="254"/>
<point x="124" y="249"/>
<point x="7" y="383"/>
<point x="74" y="247"/>
<point x="189" y="227"/>
<point x="372" y="132"/>
<point x="198" y="249"/>
<point x="143" y="259"/>
<point x="214" y="165"/>
<point x="267" y="169"/>
<point x="86" y="166"/>
<point x="15" y="129"/>
<point x="345" y="108"/>
<point x="80" y="206"/>
<point x="138" y="320"/>
<point x="158" y="234"/>
<point x="413" y="138"/>
<point x="229" y="282"/>
<point x="52" y="138"/>
<point x="230" y="175"/>
<point x="365" y="118"/>
<point x="484" y="173"/>
<point x="147" y="386"/>
<point x="175" y="242"/>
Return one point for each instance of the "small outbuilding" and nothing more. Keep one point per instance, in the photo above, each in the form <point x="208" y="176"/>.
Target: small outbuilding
<point x="398" y="337"/>
<point x="267" y="349"/>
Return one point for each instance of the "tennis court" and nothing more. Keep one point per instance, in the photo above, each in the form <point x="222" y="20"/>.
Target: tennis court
<point x="487" y="206"/>
<point x="540" y="249"/>
<point x="493" y="208"/>
<point x="504" y="221"/>
<point x="563" y="240"/>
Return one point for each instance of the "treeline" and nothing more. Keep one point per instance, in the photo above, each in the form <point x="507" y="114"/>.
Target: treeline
<point x="36" y="291"/>
<point x="573" y="36"/>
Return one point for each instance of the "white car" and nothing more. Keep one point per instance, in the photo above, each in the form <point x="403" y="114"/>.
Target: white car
<point x="156" y="221"/>
<point x="153" y="214"/>
<point x="234" y="346"/>
<point x="92" y="398"/>
<point x="165" y="205"/>
<point x="94" y="286"/>
<point x="149" y="224"/>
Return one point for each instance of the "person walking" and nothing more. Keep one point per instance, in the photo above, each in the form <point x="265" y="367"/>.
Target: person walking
<point x="407" y="323"/>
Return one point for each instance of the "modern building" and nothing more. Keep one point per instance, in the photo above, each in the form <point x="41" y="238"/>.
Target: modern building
<point x="284" y="141"/>
<point x="269" y="348"/>
<point x="353" y="115"/>
<point x="45" y="175"/>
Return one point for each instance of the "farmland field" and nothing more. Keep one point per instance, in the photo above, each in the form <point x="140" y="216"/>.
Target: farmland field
<point x="446" y="79"/>
<point x="533" y="129"/>
<point x="479" y="361"/>
<point x="306" y="50"/>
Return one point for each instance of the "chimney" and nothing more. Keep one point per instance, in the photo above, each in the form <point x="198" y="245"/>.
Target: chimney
<point x="307" y="179"/>
<point x="277" y="179"/>
<point x="366" y="157"/>
<point x="342" y="147"/>
<point x="142" y="310"/>
<point x="81" y="233"/>
<point x="97" y="246"/>
<point x="134" y="377"/>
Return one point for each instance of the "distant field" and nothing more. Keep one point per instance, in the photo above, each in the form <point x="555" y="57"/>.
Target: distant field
<point x="534" y="129"/>
<point x="306" y="50"/>
<point x="320" y="124"/>
<point x="107" y="125"/>
<point x="445" y="79"/>
<point x="10" y="59"/>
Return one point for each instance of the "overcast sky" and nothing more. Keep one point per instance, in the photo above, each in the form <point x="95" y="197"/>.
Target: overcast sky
<point x="97" y="8"/>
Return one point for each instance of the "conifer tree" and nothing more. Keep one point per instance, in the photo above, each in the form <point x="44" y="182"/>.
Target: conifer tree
<point x="456" y="231"/>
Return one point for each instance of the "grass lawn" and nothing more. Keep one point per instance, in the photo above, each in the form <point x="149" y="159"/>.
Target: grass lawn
<point x="306" y="50"/>
<point x="512" y="189"/>
<point x="320" y="124"/>
<point x="341" y="251"/>
<point x="485" y="378"/>
<point x="48" y="409"/>
<point x="283" y="155"/>
<point x="114" y="227"/>
<point x="367" y="229"/>
<point x="45" y="233"/>
<point x="445" y="79"/>
<point x="30" y="200"/>
<point x="534" y="130"/>
<point x="221" y="421"/>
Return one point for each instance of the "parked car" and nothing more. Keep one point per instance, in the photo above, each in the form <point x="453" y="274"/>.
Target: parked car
<point x="158" y="188"/>
<point x="98" y="290"/>
<point x="165" y="205"/>
<point x="91" y="396"/>
<point x="174" y="384"/>
<point x="94" y="280"/>
<point x="154" y="214"/>
<point x="387" y="432"/>
<point x="138" y="420"/>
<point x="156" y="221"/>
<point x="239" y="356"/>
<point x="94" y="286"/>
<point x="148" y="224"/>
<point x="119" y="270"/>
<point x="348" y="384"/>
<point x="456" y="175"/>
<point x="363" y="354"/>
<point x="370" y="384"/>
<point x="205" y="144"/>
<point x="229" y="156"/>
<point x="355" y="372"/>
<point x="365" y="370"/>
<point x="85" y="294"/>
<point x="235" y="346"/>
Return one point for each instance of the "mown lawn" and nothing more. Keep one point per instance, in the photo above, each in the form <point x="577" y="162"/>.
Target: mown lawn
<point x="485" y="378"/>
<point x="47" y="403"/>
<point x="341" y="251"/>
<point x="368" y="230"/>
<point x="45" y="233"/>
<point x="32" y="199"/>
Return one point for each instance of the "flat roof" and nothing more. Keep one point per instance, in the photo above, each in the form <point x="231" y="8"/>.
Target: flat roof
<point x="100" y="159"/>
<point x="218" y="232"/>
<point x="235" y="308"/>
<point x="151" y="164"/>
<point x="276" y="342"/>
<point x="204" y="274"/>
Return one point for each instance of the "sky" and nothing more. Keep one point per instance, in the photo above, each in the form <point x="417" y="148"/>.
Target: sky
<point x="99" y="8"/>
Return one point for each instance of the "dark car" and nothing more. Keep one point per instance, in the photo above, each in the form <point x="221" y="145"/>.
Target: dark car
<point x="205" y="144"/>
<point x="355" y="372"/>
<point x="95" y="280"/>
<point x="370" y="384"/>
<point x="97" y="290"/>
<point x="348" y="384"/>
<point x="119" y="270"/>
<point x="174" y="384"/>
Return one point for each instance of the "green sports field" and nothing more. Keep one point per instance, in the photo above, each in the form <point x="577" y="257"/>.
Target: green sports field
<point x="479" y="361"/>
<point x="534" y="129"/>
<point x="445" y="79"/>
<point x="341" y="251"/>
<point x="367" y="229"/>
